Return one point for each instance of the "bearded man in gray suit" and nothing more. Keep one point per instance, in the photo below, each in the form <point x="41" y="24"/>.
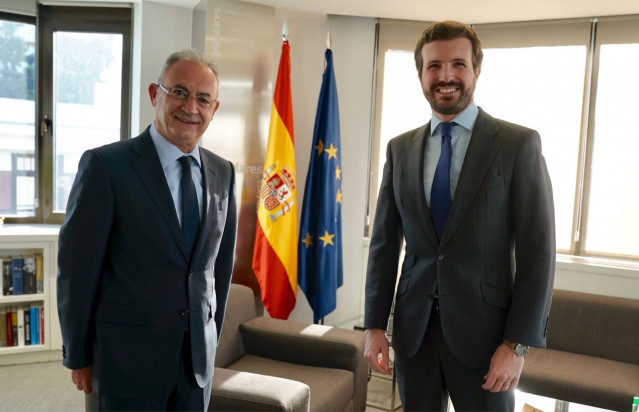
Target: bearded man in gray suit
<point x="476" y="282"/>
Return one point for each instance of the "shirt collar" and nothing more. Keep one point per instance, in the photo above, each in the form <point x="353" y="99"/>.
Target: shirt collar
<point x="167" y="151"/>
<point x="466" y="118"/>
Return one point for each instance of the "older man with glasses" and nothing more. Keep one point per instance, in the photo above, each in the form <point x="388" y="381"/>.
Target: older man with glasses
<point x="146" y="253"/>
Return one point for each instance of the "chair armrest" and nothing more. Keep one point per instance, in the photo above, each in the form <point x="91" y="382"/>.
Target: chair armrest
<point x="244" y="391"/>
<point x="301" y="343"/>
<point x="309" y="344"/>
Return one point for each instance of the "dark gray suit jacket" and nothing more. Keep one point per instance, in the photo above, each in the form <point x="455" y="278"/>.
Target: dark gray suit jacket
<point x="494" y="268"/>
<point x="124" y="281"/>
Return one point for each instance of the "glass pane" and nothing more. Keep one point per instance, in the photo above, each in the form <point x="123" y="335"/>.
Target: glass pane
<point x="614" y="189"/>
<point x="404" y="106"/>
<point x="541" y="88"/>
<point x="87" y="100"/>
<point x="17" y="119"/>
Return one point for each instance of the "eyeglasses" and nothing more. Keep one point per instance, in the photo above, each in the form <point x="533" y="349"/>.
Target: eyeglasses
<point x="179" y="93"/>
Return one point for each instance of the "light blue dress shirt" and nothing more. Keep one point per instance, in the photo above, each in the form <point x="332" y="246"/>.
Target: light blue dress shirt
<point x="460" y="139"/>
<point x="169" y="155"/>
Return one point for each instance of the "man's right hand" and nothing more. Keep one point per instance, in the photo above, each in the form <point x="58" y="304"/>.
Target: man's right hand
<point x="82" y="379"/>
<point x="376" y="351"/>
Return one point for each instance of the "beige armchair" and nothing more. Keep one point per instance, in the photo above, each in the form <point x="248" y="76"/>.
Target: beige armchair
<point x="270" y="364"/>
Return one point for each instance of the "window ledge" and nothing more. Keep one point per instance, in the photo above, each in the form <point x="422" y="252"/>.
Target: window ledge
<point x="610" y="267"/>
<point x="28" y="232"/>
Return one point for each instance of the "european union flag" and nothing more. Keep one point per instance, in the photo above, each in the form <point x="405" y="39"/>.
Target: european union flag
<point x="320" y="249"/>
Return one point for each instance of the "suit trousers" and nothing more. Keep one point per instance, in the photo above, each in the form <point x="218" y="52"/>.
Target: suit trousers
<point x="426" y="380"/>
<point x="183" y="395"/>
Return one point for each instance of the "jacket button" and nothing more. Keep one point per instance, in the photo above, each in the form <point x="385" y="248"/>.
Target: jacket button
<point x="190" y="272"/>
<point x="184" y="312"/>
<point x="440" y="257"/>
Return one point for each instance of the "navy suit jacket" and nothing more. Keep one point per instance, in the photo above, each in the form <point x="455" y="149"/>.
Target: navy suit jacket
<point x="127" y="291"/>
<point x="494" y="267"/>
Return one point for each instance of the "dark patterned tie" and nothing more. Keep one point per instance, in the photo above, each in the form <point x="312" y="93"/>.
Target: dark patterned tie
<point x="190" y="209"/>
<point x="440" y="191"/>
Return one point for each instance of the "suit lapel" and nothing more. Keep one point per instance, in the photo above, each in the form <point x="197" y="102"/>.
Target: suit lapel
<point x="149" y="169"/>
<point x="414" y="167"/>
<point x="481" y="151"/>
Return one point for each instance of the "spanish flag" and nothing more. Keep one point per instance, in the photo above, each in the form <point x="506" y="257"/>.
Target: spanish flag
<point x="275" y="250"/>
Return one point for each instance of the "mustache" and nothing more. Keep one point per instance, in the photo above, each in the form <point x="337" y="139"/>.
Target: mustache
<point x="448" y="84"/>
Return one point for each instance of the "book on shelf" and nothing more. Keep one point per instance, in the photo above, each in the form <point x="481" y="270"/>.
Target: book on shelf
<point x="41" y="325"/>
<point x="17" y="275"/>
<point x="29" y="274"/>
<point x="37" y="325"/>
<point x="3" y="326"/>
<point x="7" y="279"/>
<point x="22" y="325"/>
<point x="8" y="326"/>
<point x="35" y="321"/>
<point x="39" y="274"/>
<point x="27" y="324"/>
<point x="21" y="335"/>
<point x="14" y="327"/>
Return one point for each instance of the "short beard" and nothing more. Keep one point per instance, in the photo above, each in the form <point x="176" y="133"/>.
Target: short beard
<point x="450" y="106"/>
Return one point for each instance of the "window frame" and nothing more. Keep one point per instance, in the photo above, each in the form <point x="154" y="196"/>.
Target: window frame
<point x="49" y="19"/>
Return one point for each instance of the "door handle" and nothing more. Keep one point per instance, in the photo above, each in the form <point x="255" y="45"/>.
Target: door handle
<point x="45" y="125"/>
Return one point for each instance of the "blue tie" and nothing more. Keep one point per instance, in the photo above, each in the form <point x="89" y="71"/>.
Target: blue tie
<point x="440" y="191"/>
<point x="190" y="208"/>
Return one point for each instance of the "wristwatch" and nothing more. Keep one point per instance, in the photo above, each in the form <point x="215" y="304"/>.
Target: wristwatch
<point x="518" y="348"/>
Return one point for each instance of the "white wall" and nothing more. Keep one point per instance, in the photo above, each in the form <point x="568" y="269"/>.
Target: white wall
<point x="27" y="7"/>
<point x="159" y="30"/>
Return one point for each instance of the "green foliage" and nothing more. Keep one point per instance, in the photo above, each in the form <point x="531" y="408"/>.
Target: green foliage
<point x="80" y="60"/>
<point x="17" y="63"/>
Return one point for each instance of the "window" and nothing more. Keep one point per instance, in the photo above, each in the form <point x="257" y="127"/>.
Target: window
<point x="533" y="74"/>
<point x="75" y="98"/>
<point x="611" y="167"/>
<point x="17" y="116"/>
<point x="553" y="77"/>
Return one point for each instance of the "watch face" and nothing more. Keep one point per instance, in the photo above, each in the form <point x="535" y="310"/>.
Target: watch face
<point x="521" y="350"/>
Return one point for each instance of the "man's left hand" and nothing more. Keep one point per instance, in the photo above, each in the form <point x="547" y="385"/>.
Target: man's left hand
<point x="505" y="369"/>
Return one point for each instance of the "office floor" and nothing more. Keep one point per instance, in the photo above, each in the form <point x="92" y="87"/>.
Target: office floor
<point x="36" y="387"/>
<point x="47" y="387"/>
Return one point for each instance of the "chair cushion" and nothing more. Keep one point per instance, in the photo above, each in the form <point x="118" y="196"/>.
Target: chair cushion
<point x="331" y="389"/>
<point x="245" y="391"/>
<point x="580" y="378"/>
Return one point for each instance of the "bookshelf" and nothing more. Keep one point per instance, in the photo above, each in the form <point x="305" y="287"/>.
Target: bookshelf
<point x="18" y="240"/>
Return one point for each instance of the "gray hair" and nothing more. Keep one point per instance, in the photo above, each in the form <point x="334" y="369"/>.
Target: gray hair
<point x="191" y="55"/>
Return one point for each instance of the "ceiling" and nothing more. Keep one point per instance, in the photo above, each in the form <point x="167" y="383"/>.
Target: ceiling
<point x="467" y="11"/>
